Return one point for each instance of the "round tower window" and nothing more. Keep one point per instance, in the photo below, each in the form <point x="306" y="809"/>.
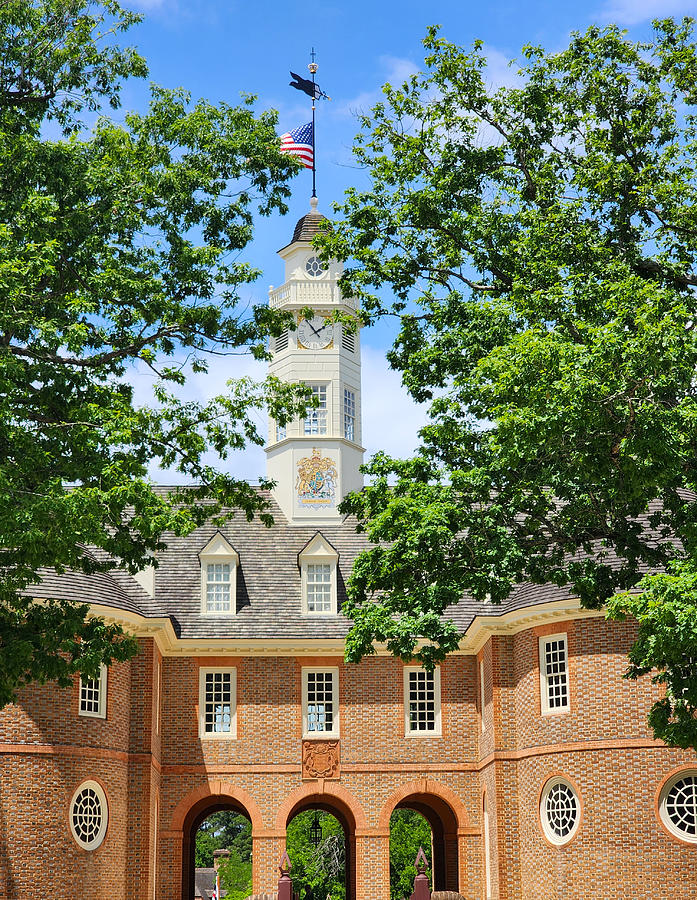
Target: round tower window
<point x="560" y="812"/>
<point x="314" y="266"/>
<point x="89" y="815"/>
<point x="678" y="806"/>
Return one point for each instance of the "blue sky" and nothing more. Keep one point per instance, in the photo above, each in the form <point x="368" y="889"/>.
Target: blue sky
<point x="218" y="49"/>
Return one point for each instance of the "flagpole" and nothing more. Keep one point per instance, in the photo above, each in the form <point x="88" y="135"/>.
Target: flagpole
<point x="313" y="68"/>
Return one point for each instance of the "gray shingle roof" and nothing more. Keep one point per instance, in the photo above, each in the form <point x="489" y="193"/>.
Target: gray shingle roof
<point x="307" y="226"/>
<point x="269" y="603"/>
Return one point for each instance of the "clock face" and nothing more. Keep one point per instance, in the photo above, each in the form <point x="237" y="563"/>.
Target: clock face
<point x="315" y="333"/>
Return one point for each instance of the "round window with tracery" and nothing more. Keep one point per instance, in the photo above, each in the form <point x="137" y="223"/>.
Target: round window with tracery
<point x="314" y="267"/>
<point x="678" y="806"/>
<point x="560" y="812"/>
<point x="89" y="815"/>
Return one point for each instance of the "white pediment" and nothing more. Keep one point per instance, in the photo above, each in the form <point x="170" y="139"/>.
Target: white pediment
<point x="317" y="547"/>
<point x="219" y="546"/>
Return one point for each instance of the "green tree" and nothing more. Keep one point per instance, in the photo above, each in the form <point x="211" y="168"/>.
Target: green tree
<point x="408" y="831"/>
<point x="118" y="245"/>
<point x="236" y="876"/>
<point x="223" y="830"/>
<point x="539" y="243"/>
<point x="318" y="871"/>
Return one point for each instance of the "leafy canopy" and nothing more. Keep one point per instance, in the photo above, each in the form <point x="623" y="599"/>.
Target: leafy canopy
<point x="119" y="247"/>
<point x="539" y="244"/>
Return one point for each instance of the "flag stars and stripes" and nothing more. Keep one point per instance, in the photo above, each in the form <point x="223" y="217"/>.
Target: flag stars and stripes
<point x="298" y="143"/>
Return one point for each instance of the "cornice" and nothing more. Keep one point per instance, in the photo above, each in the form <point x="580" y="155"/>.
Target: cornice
<point x="480" y="630"/>
<point x="483" y="627"/>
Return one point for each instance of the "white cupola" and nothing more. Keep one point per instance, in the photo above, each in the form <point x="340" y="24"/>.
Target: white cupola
<point x="315" y="461"/>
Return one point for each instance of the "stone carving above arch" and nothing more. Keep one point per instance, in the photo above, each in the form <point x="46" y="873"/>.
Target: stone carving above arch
<point x="217" y="790"/>
<point x="332" y="794"/>
<point x="424" y="788"/>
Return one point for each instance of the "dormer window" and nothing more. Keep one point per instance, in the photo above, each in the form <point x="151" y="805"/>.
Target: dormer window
<point x="318" y="567"/>
<point x="219" y="562"/>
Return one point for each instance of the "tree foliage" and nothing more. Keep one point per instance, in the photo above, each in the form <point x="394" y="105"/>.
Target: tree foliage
<point x="118" y="246"/>
<point x="539" y="243"/>
<point x="409" y="831"/>
<point x="318" y="871"/>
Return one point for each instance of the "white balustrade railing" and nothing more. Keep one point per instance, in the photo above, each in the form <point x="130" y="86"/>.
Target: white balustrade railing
<point x="307" y="293"/>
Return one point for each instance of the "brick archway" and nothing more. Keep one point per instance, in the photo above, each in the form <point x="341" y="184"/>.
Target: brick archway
<point x="446" y="815"/>
<point x="197" y="806"/>
<point x="342" y="805"/>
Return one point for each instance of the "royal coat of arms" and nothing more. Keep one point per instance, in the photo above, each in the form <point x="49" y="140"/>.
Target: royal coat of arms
<point x="321" y="759"/>
<point x="316" y="481"/>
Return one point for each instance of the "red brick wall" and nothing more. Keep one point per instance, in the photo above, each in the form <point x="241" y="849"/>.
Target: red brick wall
<point x="601" y="744"/>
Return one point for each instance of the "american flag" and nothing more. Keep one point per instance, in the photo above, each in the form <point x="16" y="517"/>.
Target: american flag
<point x="299" y="143"/>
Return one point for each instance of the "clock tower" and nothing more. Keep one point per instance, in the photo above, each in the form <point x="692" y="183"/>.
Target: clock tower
<point x="314" y="461"/>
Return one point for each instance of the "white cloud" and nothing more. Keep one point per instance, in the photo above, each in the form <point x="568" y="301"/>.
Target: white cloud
<point x="391" y="419"/>
<point x="395" y="70"/>
<point x="499" y="71"/>
<point x="632" y="12"/>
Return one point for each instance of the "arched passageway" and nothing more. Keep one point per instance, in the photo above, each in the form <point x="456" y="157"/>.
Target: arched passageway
<point x="198" y="813"/>
<point x="443" y="822"/>
<point x="342" y="813"/>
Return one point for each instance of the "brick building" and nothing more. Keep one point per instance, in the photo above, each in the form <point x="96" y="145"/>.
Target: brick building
<point x="526" y="751"/>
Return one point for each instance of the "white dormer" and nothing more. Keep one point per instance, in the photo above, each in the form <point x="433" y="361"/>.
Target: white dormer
<point x="219" y="562"/>
<point x="318" y="576"/>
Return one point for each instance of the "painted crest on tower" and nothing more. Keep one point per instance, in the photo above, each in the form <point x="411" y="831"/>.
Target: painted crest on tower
<point x="316" y="481"/>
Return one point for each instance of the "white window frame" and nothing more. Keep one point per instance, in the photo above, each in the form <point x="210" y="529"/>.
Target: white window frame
<point x="317" y="415"/>
<point x="545" y="823"/>
<point x="350" y="418"/>
<point x="668" y="823"/>
<point x="158" y="695"/>
<point x="320" y="735"/>
<point x="102" y="697"/>
<point x="219" y="550"/>
<point x="482" y="696"/>
<point x="100" y="794"/>
<point x="217" y="735"/>
<point x="545" y="707"/>
<point x="318" y="551"/>
<point x="437" y="724"/>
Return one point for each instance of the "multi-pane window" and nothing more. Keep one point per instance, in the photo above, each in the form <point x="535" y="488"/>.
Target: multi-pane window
<point x="482" y="695"/>
<point x="678" y="806"/>
<point x="560" y="812"/>
<point x="554" y="673"/>
<point x="89" y="815"/>
<point x="319" y="587"/>
<point x="218" y="587"/>
<point x="421" y="701"/>
<point x="349" y="415"/>
<point x="93" y="695"/>
<point x="280" y="432"/>
<point x="320" y="697"/>
<point x="217" y="702"/>
<point x="316" y="419"/>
